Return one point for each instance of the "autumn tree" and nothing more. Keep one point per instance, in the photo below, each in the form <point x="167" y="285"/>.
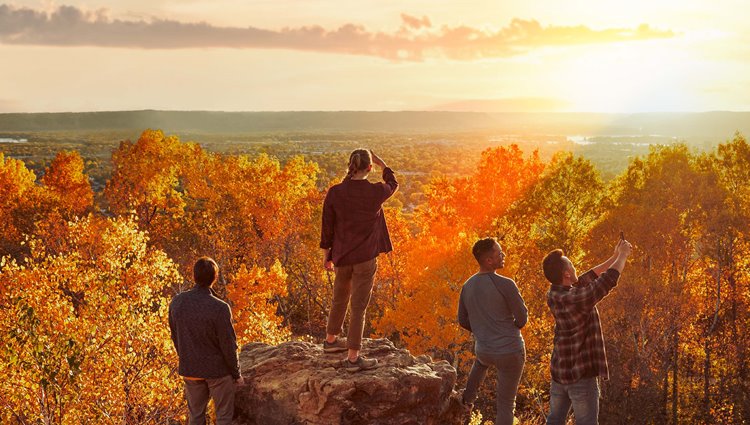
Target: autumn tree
<point x="392" y="267"/>
<point x="145" y="182"/>
<point x="438" y="259"/>
<point x="19" y="198"/>
<point x="86" y="335"/>
<point x="68" y="184"/>
<point x="724" y="249"/>
<point x="250" y="292"/>
<point x="558" y="211"/>
<point x="252" y="215"/>
<point x="84" y="287"/>
<point x="659" y="204"/>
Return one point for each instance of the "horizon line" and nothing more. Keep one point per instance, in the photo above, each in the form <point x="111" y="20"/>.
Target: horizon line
<point x="707" y="111"/>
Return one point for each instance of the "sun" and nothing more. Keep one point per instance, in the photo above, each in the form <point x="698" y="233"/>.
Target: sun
<point x="628" y="77"/>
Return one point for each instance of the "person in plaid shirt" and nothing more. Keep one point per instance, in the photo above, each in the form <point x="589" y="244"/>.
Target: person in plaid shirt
<point x="578" y="354"/>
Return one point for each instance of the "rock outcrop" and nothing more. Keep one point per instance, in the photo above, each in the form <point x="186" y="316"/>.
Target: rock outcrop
<point x="296" y="383"/>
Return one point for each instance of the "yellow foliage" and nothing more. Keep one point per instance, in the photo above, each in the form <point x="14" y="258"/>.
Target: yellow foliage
<point x="19" y="197"/>
<point x="86" y="330"/>
<point x="83" y="299"/>
<point x="251" y="292"/>
<point x="65" y="179"/>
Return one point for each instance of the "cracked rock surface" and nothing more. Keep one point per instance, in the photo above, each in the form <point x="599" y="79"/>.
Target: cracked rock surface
<point x="297" y="383"/>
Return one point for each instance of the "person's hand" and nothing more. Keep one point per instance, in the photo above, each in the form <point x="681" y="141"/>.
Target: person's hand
<point x="377" y="161"/>
<point x="240" y="382"/>
<point x="327" y="262"/>
<point x="623" y="248"/>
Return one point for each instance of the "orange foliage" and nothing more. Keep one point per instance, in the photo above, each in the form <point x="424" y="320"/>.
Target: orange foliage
<point x="18" y="197"/>
<point x="438" y="260"/>
<point x="83" y="299"/>
<point x="249" y="214"/>
<point x="67" y="182"/>
<point x="85" y="330"/>
<point x="250" y="293"/>
<point x="145" y="182"/>
<point x="65" y="193"/>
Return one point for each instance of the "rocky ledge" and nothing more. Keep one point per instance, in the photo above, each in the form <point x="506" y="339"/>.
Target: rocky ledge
<point x="297" y="383"/>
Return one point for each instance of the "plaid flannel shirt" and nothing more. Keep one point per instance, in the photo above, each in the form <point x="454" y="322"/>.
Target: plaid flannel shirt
<point x="578" y="350"/>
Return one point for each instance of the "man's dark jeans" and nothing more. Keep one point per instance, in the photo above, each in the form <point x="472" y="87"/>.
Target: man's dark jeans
<point x="509" y="369"/>
<point x="582" y="396"/>
<point x="221" y="390"/>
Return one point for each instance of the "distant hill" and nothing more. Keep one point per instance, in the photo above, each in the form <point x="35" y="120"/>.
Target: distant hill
<point x="706" y="125"/>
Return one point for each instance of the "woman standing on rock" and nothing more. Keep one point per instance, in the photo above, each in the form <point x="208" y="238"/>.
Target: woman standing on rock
<point x="354" y="233"/>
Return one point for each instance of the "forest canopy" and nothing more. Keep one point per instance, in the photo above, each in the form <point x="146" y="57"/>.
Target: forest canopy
<point x="87" y="270"/>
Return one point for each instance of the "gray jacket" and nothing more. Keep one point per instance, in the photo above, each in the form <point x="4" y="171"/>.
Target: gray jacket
<point x="203" y="335"/>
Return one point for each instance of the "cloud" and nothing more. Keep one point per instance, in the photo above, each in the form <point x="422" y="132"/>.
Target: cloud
<point x="415" y="23"/>
<point x="416" y="39"/>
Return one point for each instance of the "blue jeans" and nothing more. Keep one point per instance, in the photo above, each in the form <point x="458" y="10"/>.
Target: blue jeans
<point x="582" y="396"/>
<point x="509" y="369"/>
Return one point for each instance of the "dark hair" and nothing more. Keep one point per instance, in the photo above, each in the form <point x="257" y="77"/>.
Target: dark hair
<point x="359" y="160"/>
<point x="205" y="271"/>
<point x="483" y="247"/>
<point x="553" y="266"/>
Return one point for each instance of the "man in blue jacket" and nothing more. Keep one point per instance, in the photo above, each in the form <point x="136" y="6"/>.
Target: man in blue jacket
<point x="203" y="335"/>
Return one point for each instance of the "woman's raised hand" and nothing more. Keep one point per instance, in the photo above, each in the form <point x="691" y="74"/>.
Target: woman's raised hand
<point x="377" y="161"/>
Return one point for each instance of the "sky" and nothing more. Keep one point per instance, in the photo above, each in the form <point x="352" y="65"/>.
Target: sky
<point x="375" y="55"/>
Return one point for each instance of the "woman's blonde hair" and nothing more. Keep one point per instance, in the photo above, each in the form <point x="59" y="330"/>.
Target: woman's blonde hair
<point x="359" y="160"/>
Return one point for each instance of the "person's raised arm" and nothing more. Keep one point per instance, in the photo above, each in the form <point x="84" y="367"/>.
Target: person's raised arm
<point x="586" y="297"/>
<point x="391" y="185"/>
<point x="623" y="251"/>
<point x="378" y="161"/>
<point x="603" y="267"/>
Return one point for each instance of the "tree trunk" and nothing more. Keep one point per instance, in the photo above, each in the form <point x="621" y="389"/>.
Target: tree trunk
<point x="675" y="382"/>
<point x="741" y="394"/>
<point x="665" y="397"/>
<point x="706" y="378"/>
<point x="709" y="334"/>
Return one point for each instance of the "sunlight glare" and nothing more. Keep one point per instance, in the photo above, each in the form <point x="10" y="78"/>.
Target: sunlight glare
<point x="624" y="77"/>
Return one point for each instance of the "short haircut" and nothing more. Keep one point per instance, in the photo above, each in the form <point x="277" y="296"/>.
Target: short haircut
<point x="205" y="271"/>
<point x="554" y="265"/>
<point x="483" y="247"/>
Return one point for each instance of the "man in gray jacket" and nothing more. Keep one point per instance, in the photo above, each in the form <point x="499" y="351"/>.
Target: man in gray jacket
<point x="491" y="308"/>
<point x="203" y="335"/>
